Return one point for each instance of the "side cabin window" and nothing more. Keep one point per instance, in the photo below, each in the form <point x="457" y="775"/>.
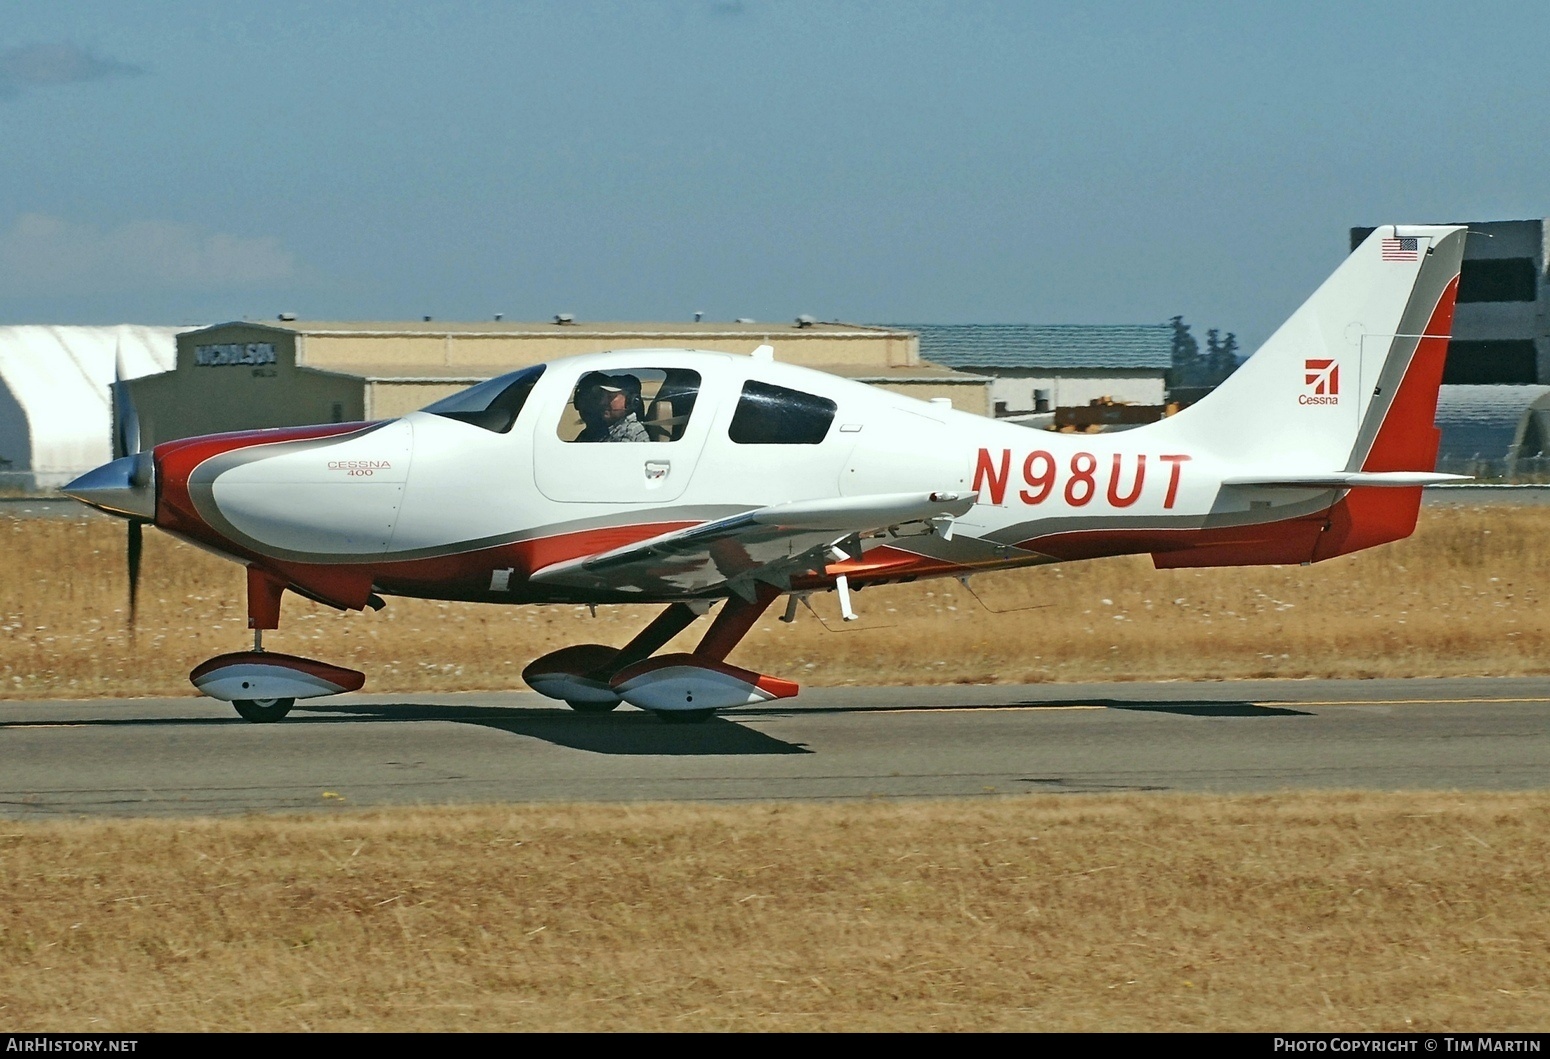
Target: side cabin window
<point x="493" y="404"/>
<point x="639" y="404"/>
<point x="774" y="415"/>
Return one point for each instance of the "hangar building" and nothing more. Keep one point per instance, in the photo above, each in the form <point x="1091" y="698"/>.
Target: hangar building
<point x="54" y="396"/>
<point x="244" y="374"/>
<point x="1042" y="368"/>
<point x="1501" y="325"/>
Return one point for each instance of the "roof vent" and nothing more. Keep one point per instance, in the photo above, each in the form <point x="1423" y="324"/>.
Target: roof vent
<point x="805" y="321"/>
<point x="564" y="318"/>
<point x="287" y="317"/>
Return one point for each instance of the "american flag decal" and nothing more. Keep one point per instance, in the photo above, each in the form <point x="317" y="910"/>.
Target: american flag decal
<point x="1323" y="375"/>
<point x="1407" y="248"/>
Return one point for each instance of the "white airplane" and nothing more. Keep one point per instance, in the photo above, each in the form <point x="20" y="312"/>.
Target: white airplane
<point x="740" y="479"/>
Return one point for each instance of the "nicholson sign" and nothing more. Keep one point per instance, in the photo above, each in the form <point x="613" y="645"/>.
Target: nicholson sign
<point x="246" y="354"/>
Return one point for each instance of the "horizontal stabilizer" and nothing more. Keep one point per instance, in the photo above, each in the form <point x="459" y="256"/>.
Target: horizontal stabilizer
<point x="1349" y="479"/>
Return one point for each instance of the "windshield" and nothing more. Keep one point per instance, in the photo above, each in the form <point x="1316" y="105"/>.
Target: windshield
<point x="493" y="404"/>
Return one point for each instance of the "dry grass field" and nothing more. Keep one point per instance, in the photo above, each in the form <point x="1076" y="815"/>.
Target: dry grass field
<point x="1299" y="911"/>
<point x="1462" y="597"/>
<point x="1288" y="912"/>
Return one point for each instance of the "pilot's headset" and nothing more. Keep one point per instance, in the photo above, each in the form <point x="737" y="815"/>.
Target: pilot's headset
<point x="631" y="387"/>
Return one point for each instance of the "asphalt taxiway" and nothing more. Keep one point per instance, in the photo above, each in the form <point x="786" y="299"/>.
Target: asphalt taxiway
<point x="194" y="756"/>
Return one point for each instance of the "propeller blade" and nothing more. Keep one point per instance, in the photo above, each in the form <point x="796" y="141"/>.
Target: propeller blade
<point x="126" y="421"/>
<point x="136" y="530"/>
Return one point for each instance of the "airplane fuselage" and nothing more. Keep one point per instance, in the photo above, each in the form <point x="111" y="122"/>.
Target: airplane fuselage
<point x="428" y="505"/>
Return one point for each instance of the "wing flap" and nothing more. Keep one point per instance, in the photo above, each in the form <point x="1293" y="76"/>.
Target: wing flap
<point x="768" y="543"/>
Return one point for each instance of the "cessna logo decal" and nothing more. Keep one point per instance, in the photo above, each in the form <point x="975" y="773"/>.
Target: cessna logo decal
<point x="359" y="468"/>
<point x="1322" y="377"/>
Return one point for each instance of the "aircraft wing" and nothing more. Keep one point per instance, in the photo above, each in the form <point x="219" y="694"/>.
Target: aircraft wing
<point x="768" y="544"/>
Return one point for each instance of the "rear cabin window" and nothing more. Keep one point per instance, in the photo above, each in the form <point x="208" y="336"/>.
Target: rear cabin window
<point x="774" y="415"/>
<point x="494" y="404"/>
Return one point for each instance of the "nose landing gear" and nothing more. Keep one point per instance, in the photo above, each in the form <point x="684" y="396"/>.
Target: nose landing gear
<point x="264" y="685"/>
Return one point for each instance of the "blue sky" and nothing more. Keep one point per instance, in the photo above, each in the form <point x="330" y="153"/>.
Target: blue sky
<point x="177" y="162"/>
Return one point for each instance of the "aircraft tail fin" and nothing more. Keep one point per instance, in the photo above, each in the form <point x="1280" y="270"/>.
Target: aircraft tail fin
<point x="1343" y="395"/>
<point x="1349" y="382"/>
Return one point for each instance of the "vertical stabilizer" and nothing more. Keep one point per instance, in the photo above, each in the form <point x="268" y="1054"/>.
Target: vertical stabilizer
<point x="1349" y="382"/>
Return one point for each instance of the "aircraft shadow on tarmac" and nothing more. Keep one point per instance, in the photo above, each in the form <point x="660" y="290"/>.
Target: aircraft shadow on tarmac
<point x="636" y="733"/>
<point x="1184" y="708"/>
<point x="630" y="732"/>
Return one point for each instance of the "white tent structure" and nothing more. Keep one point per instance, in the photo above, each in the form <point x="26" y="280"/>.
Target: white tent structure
<point x="56" y="417"/>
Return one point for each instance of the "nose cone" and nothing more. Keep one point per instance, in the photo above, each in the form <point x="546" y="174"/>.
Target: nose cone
<point x="125" y="487"/>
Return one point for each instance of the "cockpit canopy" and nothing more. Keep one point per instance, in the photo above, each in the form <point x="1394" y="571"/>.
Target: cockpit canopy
<point x="493" y="404"/>
<point x="645" y="401"/>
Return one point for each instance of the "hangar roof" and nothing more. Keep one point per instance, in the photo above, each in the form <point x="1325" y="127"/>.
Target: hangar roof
<point x="581" y="328"/>
<point x="1048" y="346"/>
<point x="918" y="373"/>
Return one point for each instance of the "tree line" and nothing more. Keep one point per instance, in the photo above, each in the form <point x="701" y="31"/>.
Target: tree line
<point x="1191" y="367"/>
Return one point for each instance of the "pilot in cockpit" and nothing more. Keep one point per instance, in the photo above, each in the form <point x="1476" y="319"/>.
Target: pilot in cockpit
<point x="609" y="405"/>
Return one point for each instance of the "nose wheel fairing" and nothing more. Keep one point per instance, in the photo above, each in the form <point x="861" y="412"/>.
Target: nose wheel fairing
<point x="248" y="676"/>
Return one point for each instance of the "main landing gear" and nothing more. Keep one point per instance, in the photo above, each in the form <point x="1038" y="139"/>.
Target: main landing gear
<point x="678" y="688"/>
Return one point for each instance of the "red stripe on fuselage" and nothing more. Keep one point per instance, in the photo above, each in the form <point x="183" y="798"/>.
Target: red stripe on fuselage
<point x="1264" y="543"/>
<point x="467" y="574"/>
